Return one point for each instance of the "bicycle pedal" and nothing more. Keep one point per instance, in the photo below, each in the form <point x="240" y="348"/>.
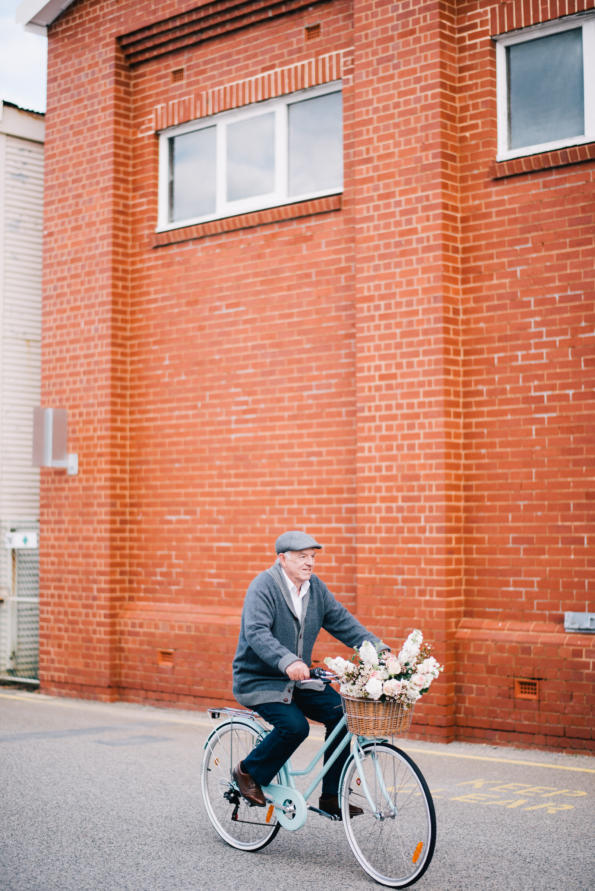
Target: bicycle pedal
<point x="335" y="817"/>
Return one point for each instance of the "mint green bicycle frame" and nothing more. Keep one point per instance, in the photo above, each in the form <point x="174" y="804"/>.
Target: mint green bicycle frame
<point x="291" y="805"/>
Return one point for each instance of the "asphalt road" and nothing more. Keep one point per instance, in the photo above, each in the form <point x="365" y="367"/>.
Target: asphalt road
<point x="99" y="797"/>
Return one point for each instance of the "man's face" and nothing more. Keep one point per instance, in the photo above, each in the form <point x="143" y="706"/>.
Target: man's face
<point x="299" y="565"/>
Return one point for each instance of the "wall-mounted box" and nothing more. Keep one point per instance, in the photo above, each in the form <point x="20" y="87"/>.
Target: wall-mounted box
<point x="583" y="622"/>
<point x="50" y="440"/>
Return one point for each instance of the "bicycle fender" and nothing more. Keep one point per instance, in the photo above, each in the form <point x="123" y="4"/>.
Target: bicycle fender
<point x="246" y="722"/>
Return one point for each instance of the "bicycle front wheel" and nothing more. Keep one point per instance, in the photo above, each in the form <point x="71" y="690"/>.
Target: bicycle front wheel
<point x="393" y="839"/>
<point x="240" y="825"/>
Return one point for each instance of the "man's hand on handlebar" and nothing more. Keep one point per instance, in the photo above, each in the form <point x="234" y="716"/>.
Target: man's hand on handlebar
<point x="298" y="671"/>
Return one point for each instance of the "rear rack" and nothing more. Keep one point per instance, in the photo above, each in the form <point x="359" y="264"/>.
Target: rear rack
<point x="216" y="713"/>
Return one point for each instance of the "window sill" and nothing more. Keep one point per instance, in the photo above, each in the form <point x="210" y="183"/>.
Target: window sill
<point x="249" y="220"/>
<point x="576" y="154"/>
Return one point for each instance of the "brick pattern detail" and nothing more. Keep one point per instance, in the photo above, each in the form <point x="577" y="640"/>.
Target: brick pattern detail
<point x="490" y="654"/>
<point x="408" y="337"/>
<point x="268" y="85"/>
<point x="249" y="220"/>
<point x="510" y="15"/>
<point x="203" y="23"/>
<point x="186" y="631"/>
<point x="576" y="154"/>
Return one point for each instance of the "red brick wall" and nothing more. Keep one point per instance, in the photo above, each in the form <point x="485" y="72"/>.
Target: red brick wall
<point x="528" y="312"/>
<point x="408" y="328"/>
<point x="84" y="519"/>
<point x="403" y="370"/>
<point x="495" y="656"/>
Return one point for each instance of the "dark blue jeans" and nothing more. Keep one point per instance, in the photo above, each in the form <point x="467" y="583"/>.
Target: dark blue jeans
<point x="290" y="728"/>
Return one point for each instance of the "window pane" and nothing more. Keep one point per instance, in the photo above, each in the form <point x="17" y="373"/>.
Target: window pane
<point x="545" y="84"/>
<point x="192" y="174"/>
<point x="315" y="144"/>
<point x="251" y="157"/>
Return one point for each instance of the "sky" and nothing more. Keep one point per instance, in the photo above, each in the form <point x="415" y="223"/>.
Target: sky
<point x="23" y="61"/>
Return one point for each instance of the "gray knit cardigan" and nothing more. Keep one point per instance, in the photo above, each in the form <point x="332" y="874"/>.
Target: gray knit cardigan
<point x="272" y="637"/>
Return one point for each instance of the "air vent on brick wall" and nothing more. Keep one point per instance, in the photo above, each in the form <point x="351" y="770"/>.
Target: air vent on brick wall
<point x="177" y="75"/>
<point x="165" y="658"/>
<point x="312" y="31"/>
<point x="526" y="688"/>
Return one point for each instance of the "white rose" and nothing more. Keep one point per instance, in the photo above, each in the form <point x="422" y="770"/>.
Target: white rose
<point x="374" y="688"/>
<point x="392" y="688"/>
<point x="430" y="666"/>
<point x="393" y="666"/>
<point x="380" y="673"/>
<point x="412" y="693"/>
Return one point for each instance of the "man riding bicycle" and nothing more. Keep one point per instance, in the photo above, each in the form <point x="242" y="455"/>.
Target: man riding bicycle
<point x="285" y="608"/>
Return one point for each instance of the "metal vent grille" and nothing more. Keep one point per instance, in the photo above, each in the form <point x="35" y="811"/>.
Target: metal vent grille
<point x="25" y="657"/>
<point x="20" y="615"/>
<point x="526" y="688"/>
<point x="165" y="658"/>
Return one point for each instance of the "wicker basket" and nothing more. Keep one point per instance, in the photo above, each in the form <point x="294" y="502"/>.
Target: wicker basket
<point x="367" y="717"/>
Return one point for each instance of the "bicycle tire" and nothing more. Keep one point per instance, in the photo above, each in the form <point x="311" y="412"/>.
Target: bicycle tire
<point x="395" y="843"/>
<point x="240" y="825"/>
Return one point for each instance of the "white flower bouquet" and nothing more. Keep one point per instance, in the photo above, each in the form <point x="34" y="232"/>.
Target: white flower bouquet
<point x="384" y="677"/>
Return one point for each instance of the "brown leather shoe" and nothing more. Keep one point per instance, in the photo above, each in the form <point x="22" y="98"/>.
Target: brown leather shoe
<point x="330" y="805"/>
<point x="249" y="790"/>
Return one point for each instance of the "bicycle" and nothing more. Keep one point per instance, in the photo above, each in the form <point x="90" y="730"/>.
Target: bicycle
<point x="393" y="839"/>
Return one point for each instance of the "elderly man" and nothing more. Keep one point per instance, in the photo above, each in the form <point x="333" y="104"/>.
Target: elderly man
<point x="285" y="608"/>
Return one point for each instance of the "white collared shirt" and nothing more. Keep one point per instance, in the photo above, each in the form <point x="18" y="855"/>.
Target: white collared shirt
<point x="297" y="596"/>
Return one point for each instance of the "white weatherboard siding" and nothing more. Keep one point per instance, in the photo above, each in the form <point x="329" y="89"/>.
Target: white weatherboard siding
<point x="21" y="229"/>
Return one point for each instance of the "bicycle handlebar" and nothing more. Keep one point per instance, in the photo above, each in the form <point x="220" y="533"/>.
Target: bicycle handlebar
<point x="321" y="674"/>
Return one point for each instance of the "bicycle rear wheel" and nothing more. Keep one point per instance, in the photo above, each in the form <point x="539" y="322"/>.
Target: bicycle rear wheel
<point x="393" y="841"/>
<point x="239" y="824"/>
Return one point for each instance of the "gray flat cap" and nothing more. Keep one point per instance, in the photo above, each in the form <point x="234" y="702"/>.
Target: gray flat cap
<point x="295" y="541"/>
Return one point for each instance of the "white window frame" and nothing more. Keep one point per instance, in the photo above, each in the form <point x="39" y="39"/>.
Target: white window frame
<point x="225" y="208"/>
<point x="587" y="23"/>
